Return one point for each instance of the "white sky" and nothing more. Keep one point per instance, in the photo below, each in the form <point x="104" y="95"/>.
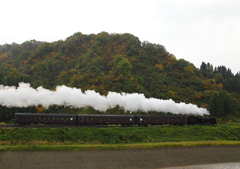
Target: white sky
<point x="195" y="30"/>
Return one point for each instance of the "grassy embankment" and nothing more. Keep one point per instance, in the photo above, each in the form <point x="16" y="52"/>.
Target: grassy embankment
<point x="117" y="138"/>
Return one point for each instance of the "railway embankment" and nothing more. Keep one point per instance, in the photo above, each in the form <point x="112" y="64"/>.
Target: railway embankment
<point x="119" y="137"/>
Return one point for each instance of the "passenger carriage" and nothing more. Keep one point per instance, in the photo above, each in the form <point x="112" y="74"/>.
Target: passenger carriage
<point x="104" y="119"/>
<point x="35" y="118"/>
<point x="145" y="120"/>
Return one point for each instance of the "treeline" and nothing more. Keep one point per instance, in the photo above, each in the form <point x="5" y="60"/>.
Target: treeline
<point x="117" y="62"/>
<point x="222" y="75"/>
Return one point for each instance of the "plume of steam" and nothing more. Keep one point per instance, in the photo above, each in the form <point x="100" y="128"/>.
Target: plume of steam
<point x="24" y="96"/>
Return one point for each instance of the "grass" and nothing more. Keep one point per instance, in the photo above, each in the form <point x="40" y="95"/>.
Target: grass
<point x="76" y="147"/>
<point x="3" y="123"/>
<point x="81" y="138"/>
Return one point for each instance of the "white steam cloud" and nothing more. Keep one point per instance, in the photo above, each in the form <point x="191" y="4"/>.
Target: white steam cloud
<point x="24" y="96"/>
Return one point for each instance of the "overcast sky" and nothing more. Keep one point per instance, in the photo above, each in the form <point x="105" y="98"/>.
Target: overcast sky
<point x="195" y="30"/>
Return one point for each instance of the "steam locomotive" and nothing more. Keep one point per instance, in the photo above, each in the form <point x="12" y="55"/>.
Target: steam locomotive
<point x="104" y="119"/>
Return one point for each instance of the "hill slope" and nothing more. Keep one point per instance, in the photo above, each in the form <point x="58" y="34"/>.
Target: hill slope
<point x="115" y="62"/>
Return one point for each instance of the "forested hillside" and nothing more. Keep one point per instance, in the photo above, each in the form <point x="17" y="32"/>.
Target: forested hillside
<point x="121" y="63"/>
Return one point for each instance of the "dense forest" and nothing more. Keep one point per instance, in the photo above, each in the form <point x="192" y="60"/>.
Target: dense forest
<point x="117" y="62"/>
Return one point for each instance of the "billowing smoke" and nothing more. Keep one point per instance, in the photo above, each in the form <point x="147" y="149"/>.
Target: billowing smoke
<point x="24" y="96"/>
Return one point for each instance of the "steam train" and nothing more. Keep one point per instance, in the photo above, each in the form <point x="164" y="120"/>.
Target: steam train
<point x="104" y="119"/>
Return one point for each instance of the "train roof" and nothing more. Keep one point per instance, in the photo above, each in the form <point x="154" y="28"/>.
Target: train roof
<point x="161" y="116"/>
<point x="44" y="114"/>
<point x="91" y="115"/>
<point x="106" y="115"/>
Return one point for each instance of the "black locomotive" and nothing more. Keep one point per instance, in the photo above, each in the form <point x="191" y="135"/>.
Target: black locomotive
<point x="104" y="119"/>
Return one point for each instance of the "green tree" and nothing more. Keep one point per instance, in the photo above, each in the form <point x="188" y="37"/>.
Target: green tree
<point x="223" y="104"/>
<point x="124" y="65"/>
